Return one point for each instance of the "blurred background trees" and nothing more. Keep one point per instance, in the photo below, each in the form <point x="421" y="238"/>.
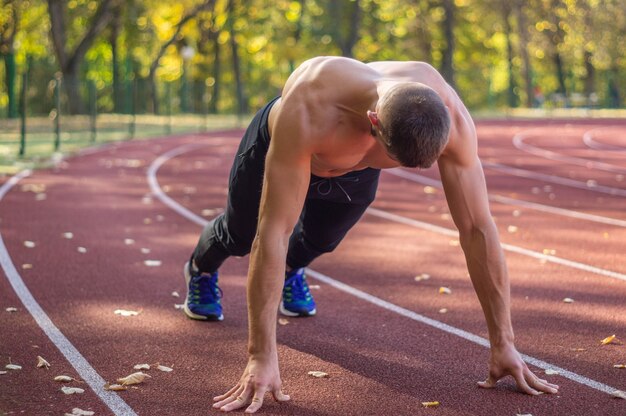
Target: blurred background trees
<point x="230" y="56"/>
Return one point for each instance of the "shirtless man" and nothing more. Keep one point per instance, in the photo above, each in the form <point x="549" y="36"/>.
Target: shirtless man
<point x="338" y="123"/>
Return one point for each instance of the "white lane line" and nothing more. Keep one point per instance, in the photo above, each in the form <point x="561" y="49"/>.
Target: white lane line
<point x="592" y="143"/>
<point x="73" y="356"/>
<point x="518" y="142"/>
<point x="512" y="201"/>
<point x="156" y="190"/>
<point x="508" y="247"/>
<point x="523" y="173"/>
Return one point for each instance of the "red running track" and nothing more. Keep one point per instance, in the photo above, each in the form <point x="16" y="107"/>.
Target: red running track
<point x="562" y="223"/>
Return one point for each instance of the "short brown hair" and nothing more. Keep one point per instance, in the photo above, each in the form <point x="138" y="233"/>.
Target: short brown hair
<point x="415" y="124"/>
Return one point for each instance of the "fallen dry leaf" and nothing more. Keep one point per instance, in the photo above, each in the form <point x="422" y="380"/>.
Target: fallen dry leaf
<point x="618" y="394"/>
<point x="142" y="367"/>
<point x="81" y="250"/>
<point x="40" y="197"/>
<point x="3" y="373"/>
<point x="80" y="412"/>
<point x="568" y="300"/>
<point x="523" y="414"/>
<point x="11" y="309"/>
<point x="42" y="363"/>
<point x="208" y="212"/>
<point x="443" y="310"/>
<point x="318" y="374"/>
<point x="147" y="221"/>
<point x="124" y="312"/>
<point x="430" y="404"/>
<point x="314" y="287"/>
<point x="512" y="229"/>
<point x="283" y="321"/>
<point x="551" y="372"/>
<point x="129" y="241"/>
<point x="179" y="305"/>
<point x="13" y="367"/>
<point x="423" y="276"/>
<point x="578" y="349"/>
<point x="517" y="213"/>
<point x="152" y="263"/>
<point x="72" y="390"/>
<point x="549" y="251"/>
<point x="145" y="250"/>
<point x="63" y="379"/>
<point x="445" y="290"/>
<point x="608" y="340"/>
<point x="27" y="266"/>
<point x="68" y="235"/>
<point x="160" y="218"/>
<point x="29" y="244"/>
<point x="430" y="190"/>
<point x="619" y="366"/>
<point x="164" y="368"/>
<point x="175" y="294"/>
<point x="115" y="387"/>
<point x="134" y="378"/>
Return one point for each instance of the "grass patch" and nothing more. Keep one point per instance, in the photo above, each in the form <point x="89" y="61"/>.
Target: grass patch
<point x="76" y="134"/>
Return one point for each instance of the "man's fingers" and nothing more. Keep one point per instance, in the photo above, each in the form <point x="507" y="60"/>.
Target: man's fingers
<point x="239" y="401"/>
<point x="489" y="383"/>
<point x="257" y="400"/>
<point x="540" y="384"/>
<point x="522" y="384"/>
<point x="279" y="396"/>
<point x="227" y="394"/>
<point x="233" y="397"/>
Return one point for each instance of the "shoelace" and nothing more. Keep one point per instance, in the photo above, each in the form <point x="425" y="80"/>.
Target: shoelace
<point x="299" y="288"/>
<point x="205" y="289"/>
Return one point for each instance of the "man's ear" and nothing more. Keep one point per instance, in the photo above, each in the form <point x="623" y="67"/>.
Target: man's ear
<point x="373" y="117"/>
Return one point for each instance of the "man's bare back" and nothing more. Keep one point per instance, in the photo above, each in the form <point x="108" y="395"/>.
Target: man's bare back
<point x="338" y="93"/>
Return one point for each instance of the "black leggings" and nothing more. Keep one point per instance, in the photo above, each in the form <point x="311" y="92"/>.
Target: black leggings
<point x="332" y="207"/>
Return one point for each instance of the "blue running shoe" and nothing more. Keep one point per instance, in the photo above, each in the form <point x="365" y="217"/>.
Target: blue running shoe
<point x="204" y="296"/>
<point x="297" y="299"/>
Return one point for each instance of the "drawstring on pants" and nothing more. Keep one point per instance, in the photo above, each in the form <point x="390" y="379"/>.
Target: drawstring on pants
<point x="329" y="182"/>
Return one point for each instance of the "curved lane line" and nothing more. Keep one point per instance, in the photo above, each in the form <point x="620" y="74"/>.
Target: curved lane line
<point x="518" y="142"/>
<point x="512" y="201"/>
<point x="73" y="356"/>
<point x="594" y="144"/>
<point x="156" y="190"/>
<point x="523" y="173"/>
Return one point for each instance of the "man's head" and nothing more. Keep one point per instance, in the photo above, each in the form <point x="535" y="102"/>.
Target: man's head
<point x="412" y="122"/>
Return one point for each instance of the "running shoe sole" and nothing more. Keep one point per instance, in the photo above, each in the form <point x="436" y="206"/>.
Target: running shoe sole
<point x="286" y="312"/>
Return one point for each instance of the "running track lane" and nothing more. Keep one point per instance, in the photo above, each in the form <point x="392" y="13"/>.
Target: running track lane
<point x="380" y="360"/>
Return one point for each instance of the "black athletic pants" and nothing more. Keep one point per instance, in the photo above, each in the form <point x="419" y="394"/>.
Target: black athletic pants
<point x="332" y="207"/>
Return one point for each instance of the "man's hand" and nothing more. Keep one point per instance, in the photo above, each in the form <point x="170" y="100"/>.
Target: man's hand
<point x="506" y="361"/>
<point x="259" y="377"/>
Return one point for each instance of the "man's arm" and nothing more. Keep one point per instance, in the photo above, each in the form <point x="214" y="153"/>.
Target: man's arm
<point x="286" y="180"/>
<point x="464" y="184"/>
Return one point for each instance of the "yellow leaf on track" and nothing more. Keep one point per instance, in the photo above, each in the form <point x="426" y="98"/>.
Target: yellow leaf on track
<point x="430" y="404"/>
<point x="115" y="387"/>
<point x="608" y="340"/>
<point x="318" y="374"/>
<point x="80" y="412"/>
<point x="421" y="277"/>
<point x="124" y="312"/>
<point x="445" y="290"/>
<point x="512" y="229"/>
<point x="619" y="366"/>
<point x="72" y="390"/>
<point x="429" y="190"/>
<point x="42" y="363"/>
<point x="134" y="378"/>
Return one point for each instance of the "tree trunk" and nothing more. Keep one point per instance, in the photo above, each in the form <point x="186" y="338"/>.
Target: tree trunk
<point x="447" y="64"/>
<point x="71" y="84"/>
<point x="560" y="73"/>
<point x="114" y="36"/>
<point x="523" y="40"/>
<point x="8" y="30"/>
<point x="9" y="73"/>
<point x="346" y="42"/>
<point x="217" y="75"/>
<point x="242" y="106"/>
<point x="511" y="93"/>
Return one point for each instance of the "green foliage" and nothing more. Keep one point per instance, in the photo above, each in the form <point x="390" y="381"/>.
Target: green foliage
<point x="273" y="37"/>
